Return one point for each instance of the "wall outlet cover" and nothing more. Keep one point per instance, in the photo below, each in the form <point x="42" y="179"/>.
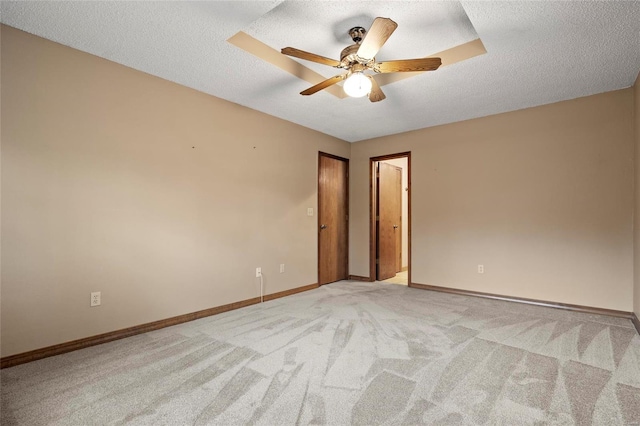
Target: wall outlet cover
<point x="95" y="298"/>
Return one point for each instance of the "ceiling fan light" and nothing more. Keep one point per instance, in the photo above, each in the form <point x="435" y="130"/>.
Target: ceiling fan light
<point x="357" y="85"/>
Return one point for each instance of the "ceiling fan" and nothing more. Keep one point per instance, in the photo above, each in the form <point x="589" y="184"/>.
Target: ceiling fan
<point x="360" y="57"/>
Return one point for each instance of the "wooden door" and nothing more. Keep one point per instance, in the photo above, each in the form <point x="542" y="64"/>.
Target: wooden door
<point x="333" y="210"/>
<point x="389" y="207"/>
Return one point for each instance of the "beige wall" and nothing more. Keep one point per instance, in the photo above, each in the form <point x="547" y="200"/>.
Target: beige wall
<point x="162" y="198"/>
<point x="542" y="197"/>
<point x="636" y="119"/>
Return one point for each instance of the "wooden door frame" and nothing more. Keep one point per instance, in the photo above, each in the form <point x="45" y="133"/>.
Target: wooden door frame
<point x="318" y="209"/>
<point x="372" y="211"/>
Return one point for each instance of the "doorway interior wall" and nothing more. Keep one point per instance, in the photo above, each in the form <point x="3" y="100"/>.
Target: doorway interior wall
<point x="385" y="230"/>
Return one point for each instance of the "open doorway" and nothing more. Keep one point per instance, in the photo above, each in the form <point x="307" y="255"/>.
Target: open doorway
<point x="390" y="228"/>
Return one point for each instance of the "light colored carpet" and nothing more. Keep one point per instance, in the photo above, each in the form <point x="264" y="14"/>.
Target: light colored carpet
<point x="401" y="278"/>
<point x="347" y="353"/>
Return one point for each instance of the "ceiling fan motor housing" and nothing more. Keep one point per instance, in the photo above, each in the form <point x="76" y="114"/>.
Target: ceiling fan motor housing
<point x="349" y="56"/>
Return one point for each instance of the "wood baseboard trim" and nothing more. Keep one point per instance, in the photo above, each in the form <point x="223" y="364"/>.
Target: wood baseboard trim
<point x="22" y="358"/>
<point x="557" y="305"/>
<point x="635" y="321"/>
<point x="285" y="293"/>
<point x="360" y="278"/>
<point x="404" y="269"/>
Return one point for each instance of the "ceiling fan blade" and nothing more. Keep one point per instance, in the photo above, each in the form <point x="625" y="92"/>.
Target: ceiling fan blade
<point x="265" y="52"/>
<point x="380" y="31"/>
<point x="323" y="85"/>
<point x="409" y="65"/>
<point x="376" y="93"/>
<point x="297" y="53"/>
<point x="450" y="56"/>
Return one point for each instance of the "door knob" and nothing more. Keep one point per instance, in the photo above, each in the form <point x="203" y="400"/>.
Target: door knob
<point x="323" y="226"/>
<point x="395" y="226"/>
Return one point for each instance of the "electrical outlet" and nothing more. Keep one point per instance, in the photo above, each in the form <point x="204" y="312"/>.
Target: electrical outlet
<point x="258" y="272"/>
<point x="281" y="268"/>
<point x="481" y="269"/>
<point x="310" y="211"/>
<point x="95" y="298"/>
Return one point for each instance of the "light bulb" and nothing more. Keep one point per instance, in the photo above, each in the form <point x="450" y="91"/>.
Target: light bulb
<point x="357" y="85"/>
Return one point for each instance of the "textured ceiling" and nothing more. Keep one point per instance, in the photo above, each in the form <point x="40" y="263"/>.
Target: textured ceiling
<point x="537" y="53"/>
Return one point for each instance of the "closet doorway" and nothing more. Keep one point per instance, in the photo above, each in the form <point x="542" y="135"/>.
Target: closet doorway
<point x="390" y="219"/>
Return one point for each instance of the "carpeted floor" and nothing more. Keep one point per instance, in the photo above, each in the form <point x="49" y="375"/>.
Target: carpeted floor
<point x="347" y="353"/>
<point x="401" y="278"/>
